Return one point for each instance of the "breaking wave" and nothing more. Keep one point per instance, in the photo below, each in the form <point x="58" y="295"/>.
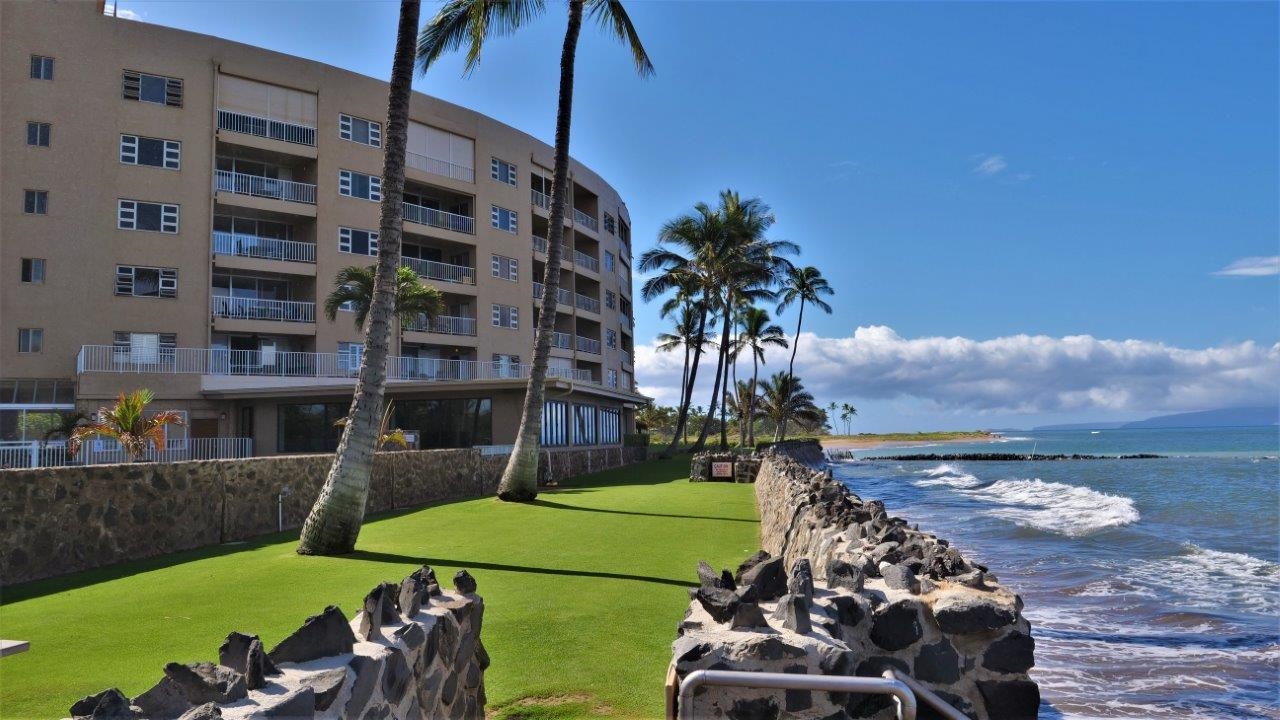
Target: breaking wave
<point x="1057" y="507"/>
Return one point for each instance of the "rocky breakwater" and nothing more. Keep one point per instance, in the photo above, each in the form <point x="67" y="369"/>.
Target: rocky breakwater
<point x="412" y="651"/>
<point x="842" y="588"/>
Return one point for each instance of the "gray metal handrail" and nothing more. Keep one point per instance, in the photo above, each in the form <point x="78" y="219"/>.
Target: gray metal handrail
<point x="928" y="696"/>
<point x="887" y="685"/>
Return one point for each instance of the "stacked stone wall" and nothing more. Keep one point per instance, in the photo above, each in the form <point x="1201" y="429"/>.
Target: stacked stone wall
<point x="60" y="520"/>
<point x="745" y="467"/>
<point x="413" y="651"/>
<point x="842" y="588"/>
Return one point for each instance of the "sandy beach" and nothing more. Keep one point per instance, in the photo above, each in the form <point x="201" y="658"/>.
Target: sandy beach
<point x="872" y="442"/>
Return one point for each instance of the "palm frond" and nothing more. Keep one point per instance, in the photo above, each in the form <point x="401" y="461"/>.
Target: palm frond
<point x="470" y="23"/>
<point x="613" y="19"/>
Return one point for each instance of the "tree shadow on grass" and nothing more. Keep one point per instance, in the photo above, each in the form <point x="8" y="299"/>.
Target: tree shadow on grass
<point x="562" y="506"/>
<point x="385" y="557"/>
<point x="647" y="472"/>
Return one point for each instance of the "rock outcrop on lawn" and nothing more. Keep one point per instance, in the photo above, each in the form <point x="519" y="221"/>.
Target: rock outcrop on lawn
<point x="412" y="651"/>
<point x="842" y="588"/>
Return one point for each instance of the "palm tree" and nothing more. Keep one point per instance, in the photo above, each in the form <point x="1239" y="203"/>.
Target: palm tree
<point x="353" y="288"/>
<point x="831" y="413"/>
<point x="807" y="285"/>
<point x="470" y="23"/>
<point x="758" y="333"/>
<point x="848" y="411"/>
<point x="742" y="404"/>
<point x="686" y="334"/>
<point x="333" y="524"/>
<point x="128" y="424"/>
<point x="784" y="398"/>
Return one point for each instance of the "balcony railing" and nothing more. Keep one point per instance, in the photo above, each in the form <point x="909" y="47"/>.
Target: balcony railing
<point x="444" y="325"/>
<point x="259" y="186"/>
<point x="460" y="274"/>
<point x="564" y="297"/>
<point x="581" y="218"/>
<point x="266" y="127"/>
<point x="626" y="359"/>
<point x="436" y="166"/>
<point x="98" y="451"/>
<point x="252" y="246"/>
<point x="586" y="303"/>
<point x="439" y="219"/>
<point x="582" y="259"/>
<point x="267" y="363"/>
<point x="587" y="345"/>
<point x="564" y="341"/>
<point x="541" y="199"/>
<point x="238" y="308"/>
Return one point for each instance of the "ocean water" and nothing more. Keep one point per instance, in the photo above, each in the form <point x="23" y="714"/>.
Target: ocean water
<point x="1152" y="586"/>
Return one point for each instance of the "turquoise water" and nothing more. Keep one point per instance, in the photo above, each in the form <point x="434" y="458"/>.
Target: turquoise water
<point x="1152" y="586"/>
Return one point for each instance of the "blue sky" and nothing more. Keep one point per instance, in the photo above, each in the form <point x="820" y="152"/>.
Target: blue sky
<point x="971" y="171"/>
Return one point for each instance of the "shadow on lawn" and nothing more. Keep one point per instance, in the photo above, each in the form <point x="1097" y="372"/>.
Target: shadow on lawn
<point x="562" y="506"/>
<point x="376" y="556"/>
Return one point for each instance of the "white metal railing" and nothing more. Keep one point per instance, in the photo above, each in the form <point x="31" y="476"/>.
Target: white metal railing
<point x="269" y="363"/>
<point x="444" y="324"/>
<point x="252" y="246"/>
<point x="436" y="166"/>
<point x="31" y="453"/>
<point x="582" y="259"/>
<point x="540" y="245"/>
<point x="589" y="304"/>
<point x="626" y="359"/>
<point x="259" y="186"/>
<point x="564" y="341"/>
<point x="581" y="218"/>
<point x="541" y="199"/>
<point x="588" y="345"/>
<point x="564" y="297"/>
<point x="440" y="271"/>
<point x="237" y="308"/>
<point x="439" y="219"/>
<point x="266" y="127"/>
<point x="100" y="451"/>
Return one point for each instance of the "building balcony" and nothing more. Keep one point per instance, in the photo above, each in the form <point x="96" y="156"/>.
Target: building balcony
<point x="564" y="341"/>
<point x="443" y="325"/>
<point x="626" y="359"/>
<point x="436" y="166"/>
<point x="582" y="302"/>
<point x="263" y="187"/>
<point x="540" y="200"/>
<point x="587" y="345"/>
<point x="439" y="219"/>
<point x="584" y="260"/>
<point x="444" y="272"/>
<point x="564" y="297"/>
<point x="238" y="122"/>
<point x="239" y="308"/>
<point x="585" y="220"/>
<point x="261" y="248"/>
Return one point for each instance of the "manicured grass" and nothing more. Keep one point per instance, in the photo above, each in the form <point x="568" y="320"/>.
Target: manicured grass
<point x="583" y="590"/>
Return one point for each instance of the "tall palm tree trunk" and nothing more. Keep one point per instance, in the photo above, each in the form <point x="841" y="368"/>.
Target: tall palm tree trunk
<point x="334" y="522"/>
<point x="520" y="478"/>
<point x="720" y="372"/>
<point x="682" y="417"/>
<point x="791" y="366"/>
<point x="751" y="407"/>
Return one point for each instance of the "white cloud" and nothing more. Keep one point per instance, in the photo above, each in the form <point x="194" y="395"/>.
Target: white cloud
<point x="1252" y="267"/>
<point x="111" y="9"/>
<point x="989" y="165"/>
<point x="1014" y="374"/>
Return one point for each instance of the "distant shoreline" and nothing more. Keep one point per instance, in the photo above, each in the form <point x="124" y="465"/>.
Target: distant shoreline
<point x="872" y="441"/>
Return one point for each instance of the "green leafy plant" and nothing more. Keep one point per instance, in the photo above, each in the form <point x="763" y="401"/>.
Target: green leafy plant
<point x="128" y="424"/>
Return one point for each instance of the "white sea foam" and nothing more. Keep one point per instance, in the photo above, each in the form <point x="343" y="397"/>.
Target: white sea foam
<point x="1212" y="579"/>
<point x="1057" y="507"/>
<point x="1012" y="438"/>
<point x="947" y="475"/>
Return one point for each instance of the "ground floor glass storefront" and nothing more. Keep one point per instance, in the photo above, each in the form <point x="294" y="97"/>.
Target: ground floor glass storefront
<point x="437" y="423"/>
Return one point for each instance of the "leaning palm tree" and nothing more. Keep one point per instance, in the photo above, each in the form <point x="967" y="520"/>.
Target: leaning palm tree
<point x="353" y="289"/>
<point x="334" y="522"/>
<point x="783" y="399"/>
<point x="687" y="333"/>
<point x="470" y="23"/>
<point x="758" y="333"/>
<point x="807" y="285"/>
<point x="128" y="424"/>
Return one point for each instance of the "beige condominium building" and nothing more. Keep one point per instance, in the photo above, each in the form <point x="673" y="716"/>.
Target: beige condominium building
<point x="175" y="207"/>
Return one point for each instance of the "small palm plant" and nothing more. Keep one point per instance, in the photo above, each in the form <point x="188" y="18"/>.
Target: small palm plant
<point x="385" y="436"/>
<point x="128" y="424"/>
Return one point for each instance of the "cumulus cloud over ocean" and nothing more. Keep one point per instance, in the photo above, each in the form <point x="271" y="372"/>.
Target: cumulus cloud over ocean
<point x="1013" y="374"/>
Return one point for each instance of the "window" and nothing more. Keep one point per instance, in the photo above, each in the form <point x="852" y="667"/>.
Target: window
<point x="506" y="366"/>
<point x="505" y="268"/>
<point x="555" y="423"/>
<point x="608" y="261"/>
<point x="146" y="281"/>
<point x="136" y="150"/>
<point x="611" y="338"/>
<point x="365" y="132"/>
<point x="503" y="219"/>
<point x="349" y="354"/>
<point x="41" y="67"/>
<point x="30" y="340"/>
<point x="447" y="423"/>
<point x="359" y="185"/>
<point x="584" y="425"/>
<point x="610" y="425"/>
<point x="358" y="242"/>
<point x="156" y="89"/>
<point x="32" y="270"/>
<point x="309" y="428"/>
<point x="38" y="134"/>
<point x="144" y="347"/>
<point x="610" y="299"/>
<point x="35" y="202"/>
<point x="610" y="224"/>
<point x="502" y="171"/>
<point x="148" y="216"/>
<point x="506" y="316"/>
<point x="612" y="380"/>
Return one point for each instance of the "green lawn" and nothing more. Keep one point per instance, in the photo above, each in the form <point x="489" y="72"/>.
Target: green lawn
<point x="583" y="590"/>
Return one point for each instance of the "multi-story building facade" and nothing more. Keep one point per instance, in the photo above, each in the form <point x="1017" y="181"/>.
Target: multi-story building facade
<point x="174" y="210"/>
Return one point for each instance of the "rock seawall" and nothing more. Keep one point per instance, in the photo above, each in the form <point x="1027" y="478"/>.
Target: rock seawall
<point x="413" y="651"/>
<point x="842" y="588"/>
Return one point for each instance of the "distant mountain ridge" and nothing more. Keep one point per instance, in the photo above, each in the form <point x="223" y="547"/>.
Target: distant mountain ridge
<point x="1256" y="416"/>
